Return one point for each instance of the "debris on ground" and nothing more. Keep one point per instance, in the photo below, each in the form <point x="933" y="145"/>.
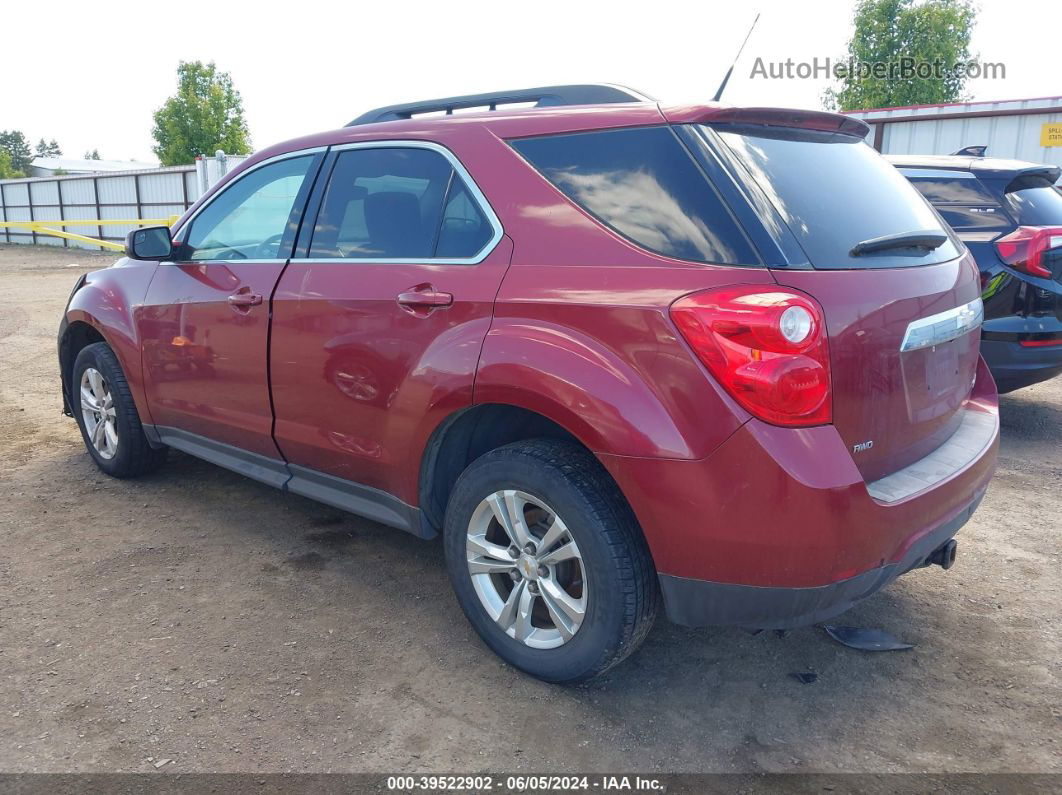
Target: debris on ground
<point x="866" y="638"/>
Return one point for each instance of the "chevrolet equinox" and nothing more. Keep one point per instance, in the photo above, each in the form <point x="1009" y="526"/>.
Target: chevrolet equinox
<point x="618" y="355"/>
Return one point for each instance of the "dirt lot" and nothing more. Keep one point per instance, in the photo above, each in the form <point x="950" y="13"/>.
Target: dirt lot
<point x="203" y="618"/>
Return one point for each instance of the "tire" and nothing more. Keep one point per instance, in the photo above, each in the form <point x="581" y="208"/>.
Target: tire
<point x="609" y="570"/>
<point x="126" y="452"/>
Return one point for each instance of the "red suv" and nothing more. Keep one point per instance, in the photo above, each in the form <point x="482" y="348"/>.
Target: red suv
<point x="613" y="352"/>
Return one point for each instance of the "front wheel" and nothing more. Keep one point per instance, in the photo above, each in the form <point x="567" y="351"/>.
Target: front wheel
<point x="548" y="562"/>
<point x="107" y="416"/>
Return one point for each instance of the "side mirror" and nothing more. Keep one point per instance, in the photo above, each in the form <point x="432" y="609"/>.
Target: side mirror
<point x="151" y="242"/>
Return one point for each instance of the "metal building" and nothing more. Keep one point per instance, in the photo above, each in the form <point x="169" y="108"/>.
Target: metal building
<point x="48" y="166"/>
<point x="1021" y="129"/>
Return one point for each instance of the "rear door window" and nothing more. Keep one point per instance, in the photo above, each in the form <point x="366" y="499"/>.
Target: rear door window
<point x="834" y="191"/>
<point x="398" y="203"/>
<point x="464" y="229"/>
<point x="643" y="184"/>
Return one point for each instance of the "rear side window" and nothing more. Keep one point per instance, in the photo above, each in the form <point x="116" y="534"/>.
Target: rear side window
<point x="642" y="183"/>
<point x="1036" y="206"/>
<point x="397" y="203"/>
<point x="834" y="191"/>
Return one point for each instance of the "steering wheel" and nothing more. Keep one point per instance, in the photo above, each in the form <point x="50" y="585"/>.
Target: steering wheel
<point x="269" y="248"/>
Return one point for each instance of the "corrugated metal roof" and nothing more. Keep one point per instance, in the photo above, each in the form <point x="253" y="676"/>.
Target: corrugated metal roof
<point x="947" y="109"/>
<point x="164" y="169"/>
<point x="77" y="164"/>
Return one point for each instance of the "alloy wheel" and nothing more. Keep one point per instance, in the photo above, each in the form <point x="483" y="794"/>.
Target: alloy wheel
<point x="526" y="569"/>
<point x="98" y="412"/>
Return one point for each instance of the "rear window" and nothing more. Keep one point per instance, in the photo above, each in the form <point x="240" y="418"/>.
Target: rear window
<point x="645" y="185"/>
<point x="982" y="218"/>
<point x="962" y="200"/>
<point x="834" y="191"/>
<point x="958" y="188"/>
<point x="1036" y="206"/>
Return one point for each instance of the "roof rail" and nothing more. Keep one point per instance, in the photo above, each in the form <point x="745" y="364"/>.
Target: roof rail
<point x="544" y="96"/>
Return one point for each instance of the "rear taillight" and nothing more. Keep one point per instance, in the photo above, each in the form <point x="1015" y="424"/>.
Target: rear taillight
<point x="767" y="347"/>
<point x="1024" y="248"/>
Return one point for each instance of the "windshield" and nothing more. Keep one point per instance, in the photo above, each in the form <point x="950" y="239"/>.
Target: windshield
<point x="835" y="192"/>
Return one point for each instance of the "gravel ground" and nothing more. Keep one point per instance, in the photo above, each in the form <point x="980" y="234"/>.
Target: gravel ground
<point x="199" y="617"/>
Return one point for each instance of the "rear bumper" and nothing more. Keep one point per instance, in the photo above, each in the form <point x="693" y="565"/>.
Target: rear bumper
<point x="1015" y="366"/>
<point x="698" y="603"/>
<point x="777" y="528"/>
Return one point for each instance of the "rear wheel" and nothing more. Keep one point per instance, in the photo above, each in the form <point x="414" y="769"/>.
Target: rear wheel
<point x="107" y="416"/>
<point x="548" y="561"/>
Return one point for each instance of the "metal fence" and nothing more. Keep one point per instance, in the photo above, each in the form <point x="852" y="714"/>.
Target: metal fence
<point x="120" y="195"/>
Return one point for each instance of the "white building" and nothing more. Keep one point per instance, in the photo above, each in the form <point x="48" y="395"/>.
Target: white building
<point x="47" y="166"/>
<point x="1019" y="129"/>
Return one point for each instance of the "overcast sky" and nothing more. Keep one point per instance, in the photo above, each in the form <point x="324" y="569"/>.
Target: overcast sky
<point x="90" y="77"/>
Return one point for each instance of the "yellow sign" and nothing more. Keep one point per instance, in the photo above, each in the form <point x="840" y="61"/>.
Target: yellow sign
<point x="1051" y="134"/>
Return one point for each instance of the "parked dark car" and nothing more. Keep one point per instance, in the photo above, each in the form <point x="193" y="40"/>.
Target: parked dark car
<point x="1009" y="214"/>
<point x="610" y="351"/>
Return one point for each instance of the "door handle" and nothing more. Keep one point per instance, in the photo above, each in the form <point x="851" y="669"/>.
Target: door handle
<point x="245" y="299"/>
<point x="425" y="296"/>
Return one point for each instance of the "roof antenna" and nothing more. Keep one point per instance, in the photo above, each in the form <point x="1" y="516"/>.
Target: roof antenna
<point x="722" y="86"/>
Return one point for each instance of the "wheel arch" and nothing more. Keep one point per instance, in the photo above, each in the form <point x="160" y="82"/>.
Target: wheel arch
<point x="630" y="397"/>
<point x="472" y="432"/>
<point x="106" y="302"/>
<point x="75" y="337"/>
<point x="468" y="434"/>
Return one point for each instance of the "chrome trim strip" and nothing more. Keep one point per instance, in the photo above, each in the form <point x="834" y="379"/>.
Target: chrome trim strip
<point x="458" y="166"/>
<point x="285" y="156"/>
<point x="943" y="326"/>
<point x="473" y="189"/>
<point x="938" y="173"/>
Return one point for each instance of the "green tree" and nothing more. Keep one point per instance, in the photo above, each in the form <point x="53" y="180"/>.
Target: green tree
<point x="93" y="155"/>
<point x="48" y="149"/>
<point x="206" y="114"/>
<point x="18" y="148"/>
<point x="7" y="171"/>
<point x="933" y="32"/>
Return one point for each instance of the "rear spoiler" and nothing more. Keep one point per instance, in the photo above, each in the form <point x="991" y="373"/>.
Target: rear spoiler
<point x="770" y="117"/>
<point x="1034" y="177"/>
